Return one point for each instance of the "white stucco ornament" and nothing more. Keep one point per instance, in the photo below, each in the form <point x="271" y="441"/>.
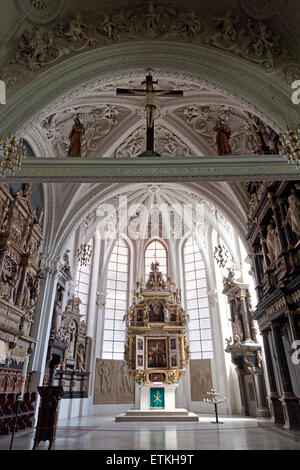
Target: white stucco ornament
<point x="40" y="11"/>
<point x="261" y="9"/>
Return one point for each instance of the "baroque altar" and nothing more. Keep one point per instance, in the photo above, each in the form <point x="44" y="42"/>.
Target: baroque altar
<point x="156" y="348"/>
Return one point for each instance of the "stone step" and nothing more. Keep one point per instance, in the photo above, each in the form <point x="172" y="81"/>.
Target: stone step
<point x="190" y="417"/>
<point x="177" y="412"/>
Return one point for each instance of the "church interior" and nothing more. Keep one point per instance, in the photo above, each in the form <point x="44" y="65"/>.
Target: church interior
<point x="149" y="225"/>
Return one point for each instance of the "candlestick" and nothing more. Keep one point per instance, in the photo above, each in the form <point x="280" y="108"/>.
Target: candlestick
<point x="23" y="378"/>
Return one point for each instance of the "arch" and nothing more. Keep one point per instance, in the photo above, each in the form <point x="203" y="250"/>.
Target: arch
<point x="244" y="81"/>
<point x="60" y="224"/>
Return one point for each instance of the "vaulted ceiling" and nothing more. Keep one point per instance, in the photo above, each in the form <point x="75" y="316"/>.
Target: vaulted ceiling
<point x="115" y="126"/>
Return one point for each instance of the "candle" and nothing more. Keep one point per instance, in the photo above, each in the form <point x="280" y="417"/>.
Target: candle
<point x="23" y="378"/>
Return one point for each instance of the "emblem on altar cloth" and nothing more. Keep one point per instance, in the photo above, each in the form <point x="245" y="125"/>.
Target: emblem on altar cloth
<point x="157" y="396"/>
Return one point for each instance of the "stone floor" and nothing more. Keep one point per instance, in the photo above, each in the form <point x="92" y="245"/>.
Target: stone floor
<point x="103" y="433"/>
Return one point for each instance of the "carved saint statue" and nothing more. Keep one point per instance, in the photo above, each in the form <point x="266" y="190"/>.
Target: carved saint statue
<point x="80" y="366"/>
<point x="222" y="135"/>
<point x="293" y="213"/>
<point x="272" y="244"/>
<point x="75" y="137"/>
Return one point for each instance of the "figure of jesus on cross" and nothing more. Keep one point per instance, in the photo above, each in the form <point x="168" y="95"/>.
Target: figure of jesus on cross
<point x="150" y="107"/>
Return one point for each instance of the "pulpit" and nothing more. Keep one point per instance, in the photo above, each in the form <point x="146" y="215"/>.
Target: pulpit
<point x="48" y="413"/>
<point x="49" y="407"/>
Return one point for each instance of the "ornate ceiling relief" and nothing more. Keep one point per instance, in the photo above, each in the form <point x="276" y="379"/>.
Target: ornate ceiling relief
<point x="43" y="46"/>
<point x="261" y="9"/>
<point x="98" y="123"/>
<point x="115" y="126"/>
<point x="40" y="11"/>
<point x="166" y="143"/>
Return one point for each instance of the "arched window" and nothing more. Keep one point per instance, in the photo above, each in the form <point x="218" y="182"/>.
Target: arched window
<point x="116" y="303"/>
<point x="82" y="285"/>
<point x="155" y="251"/>
<point x="197" y="302"/>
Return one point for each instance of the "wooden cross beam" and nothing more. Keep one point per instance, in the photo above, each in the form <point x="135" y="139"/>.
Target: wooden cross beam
<point x="150" y="107"/>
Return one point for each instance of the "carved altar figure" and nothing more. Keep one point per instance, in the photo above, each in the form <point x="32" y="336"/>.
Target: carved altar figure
<point x="192" y="26"/>
<point x="151" y="17"/>
<point x="75" y="137"/>
<point x="272" y="139"/>
<point x="257" y="142"/>
<point x="156" y="312"/>
<point x="77" y="29"/>
<point x="104" y="373"/>
<point x="222" y="135"/>
<point x="264" y="41"/>
<point x="272" y="244"/>
<point x="38" y="46"/>
<point x="27" y="292"/>
<point x="80" y="362"/>
<point x="124" y="384"/>
<point x="293" y="213"/>
<point x="24" y="192"/>
<point x="55" y="317"/>
<point x="9" y="283"/>
<point x="72" y="339"/>
<point x="110" y="28"/>
<point x="226" y="28"/>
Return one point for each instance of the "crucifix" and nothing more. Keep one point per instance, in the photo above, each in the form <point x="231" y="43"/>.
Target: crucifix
<point x="150" y="107"/>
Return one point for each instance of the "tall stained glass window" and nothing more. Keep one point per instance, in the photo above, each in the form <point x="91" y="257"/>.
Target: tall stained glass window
<point x="200" y="338"/>
<point x="82" y="285"/>
<point x="155" y="251"/>
<point x="116" y="302"/>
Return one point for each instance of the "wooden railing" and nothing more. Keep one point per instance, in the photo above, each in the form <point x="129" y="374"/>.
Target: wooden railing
<point x="9" y="389"/>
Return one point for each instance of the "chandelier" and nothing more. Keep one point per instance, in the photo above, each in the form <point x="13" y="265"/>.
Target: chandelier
<point x="290" y="144"/>
<point x="12" y="151"/>
<point x="84" y="254"/>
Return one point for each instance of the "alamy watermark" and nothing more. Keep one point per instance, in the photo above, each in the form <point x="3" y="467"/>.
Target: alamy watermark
<point x="295" y="357"/>
<point x="296" y="94"/>
<point x="2" y="92"/>
<point x="143" y="221"/>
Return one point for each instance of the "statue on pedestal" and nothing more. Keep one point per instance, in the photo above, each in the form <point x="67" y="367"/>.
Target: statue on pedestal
<point x="272" y="244"/>
<point x="293" y="213"/>
<point x="75" y="137"/>
<point x="222" y="136"/>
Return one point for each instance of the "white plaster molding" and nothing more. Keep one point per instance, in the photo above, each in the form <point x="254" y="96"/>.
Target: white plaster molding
<point x="242" y="81"/>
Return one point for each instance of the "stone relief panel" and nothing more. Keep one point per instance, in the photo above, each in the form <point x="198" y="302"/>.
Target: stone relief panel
<point x="201" y="378"/>
<point x="113" y="385"/>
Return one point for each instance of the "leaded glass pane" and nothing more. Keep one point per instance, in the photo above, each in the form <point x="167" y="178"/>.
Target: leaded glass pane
<point x="197" y="301"/>
<point x="116" y="302"/>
